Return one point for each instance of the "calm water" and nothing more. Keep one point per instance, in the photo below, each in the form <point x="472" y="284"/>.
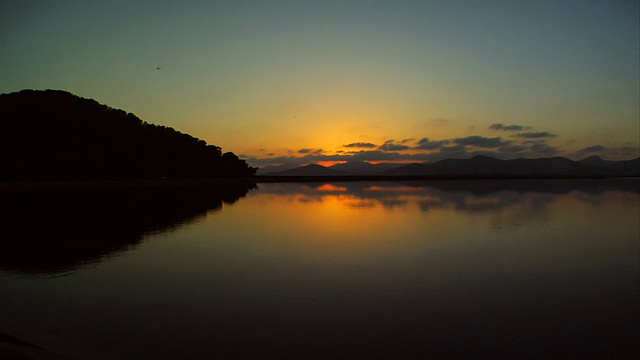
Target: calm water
<point x="472" y="269"/>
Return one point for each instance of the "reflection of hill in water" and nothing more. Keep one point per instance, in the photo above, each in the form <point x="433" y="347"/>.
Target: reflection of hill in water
<point x="552" y="186"/>
<point x="461" y="195"/>
<point x="479" y="187"/>
<point x="56" y="231"/>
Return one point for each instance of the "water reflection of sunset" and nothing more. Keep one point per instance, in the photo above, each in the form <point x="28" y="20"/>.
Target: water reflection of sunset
<point x="370" y="271"/>
<point x="331" y="187"/>
<point x="333" y="220"/>
<point x="371" y="216"/>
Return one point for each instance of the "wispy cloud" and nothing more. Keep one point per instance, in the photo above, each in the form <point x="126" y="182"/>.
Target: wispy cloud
<point x="591" y="150"/>
<point x="426" y="144"/>
<point x="523" y="145"/>
<point x="536" y="135"/>
<point x="481" y="141"/>
<point x="310" y="151"/>
<point x="499" y="126"/>
<point x="389" y="145"/>
<point x="360" y="145"/>
<point x="608" y="152"/>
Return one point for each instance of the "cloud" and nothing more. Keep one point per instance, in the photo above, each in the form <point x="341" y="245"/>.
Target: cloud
<point x="591" y="149"/>
<point x="360" y="145"/>
<point x="481" y="141"/>
<point x="624" y="151"/>
<point x="426" y="144"/>
<point x="390" y="146"/>
<point x="452" y="150"/>
<point x="310" y="151"/>
<point x="499" y="126"/>
<point x="609" y="152"/>
<point x="536" y="135"/>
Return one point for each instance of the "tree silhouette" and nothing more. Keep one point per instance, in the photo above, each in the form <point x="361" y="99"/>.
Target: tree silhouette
<point x="55" y="135"/>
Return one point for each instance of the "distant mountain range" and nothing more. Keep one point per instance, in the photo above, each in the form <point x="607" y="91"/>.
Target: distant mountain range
<point x="344" y="169"/>
<point x="480" y="166"/>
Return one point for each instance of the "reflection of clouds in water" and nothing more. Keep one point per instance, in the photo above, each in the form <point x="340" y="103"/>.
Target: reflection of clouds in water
<point x="623" y="197"/>
<point x="392" y="203"/>
<point x="531" y="209"/>
<point x="355" y="203"/>
<point x="309" y="199"/>
<point x="511" y="203"/>
<point x="331" y="188"/>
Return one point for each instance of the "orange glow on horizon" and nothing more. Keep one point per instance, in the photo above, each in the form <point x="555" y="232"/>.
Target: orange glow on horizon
<point x="329" y="163"/>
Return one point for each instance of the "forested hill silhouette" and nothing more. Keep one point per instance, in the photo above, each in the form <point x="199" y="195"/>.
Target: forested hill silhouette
<point x="55" y="135"/>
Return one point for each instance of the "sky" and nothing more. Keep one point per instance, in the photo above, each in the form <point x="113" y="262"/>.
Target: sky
<point x="299" y="82"/>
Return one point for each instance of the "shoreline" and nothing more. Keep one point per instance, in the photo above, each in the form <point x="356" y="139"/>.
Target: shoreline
<point x="14" y="348"/>
<point x="19" y="186"/>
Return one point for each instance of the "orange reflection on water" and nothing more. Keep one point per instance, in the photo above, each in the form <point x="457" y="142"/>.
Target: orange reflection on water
<point x="331" y="188"/>
<point x="381" y="218"/>
<point x="330" y="218"/>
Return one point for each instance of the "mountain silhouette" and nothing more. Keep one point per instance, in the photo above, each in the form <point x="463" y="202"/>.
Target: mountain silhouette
<point x="363" y="167"/>
<point x="478" y="166"/>
<point x="55" y="135"/>
<point x="310" y="170"/>
<point x="548" y="167"/>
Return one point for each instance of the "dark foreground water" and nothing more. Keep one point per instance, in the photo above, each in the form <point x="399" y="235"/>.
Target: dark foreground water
<point x="467" y="269"/>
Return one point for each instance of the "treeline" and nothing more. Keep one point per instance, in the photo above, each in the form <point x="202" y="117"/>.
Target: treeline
<point x="55" y="135"/>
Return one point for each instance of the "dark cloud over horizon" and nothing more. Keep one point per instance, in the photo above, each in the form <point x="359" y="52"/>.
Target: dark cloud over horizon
<point x="524" y="145"/>
<point x="389" y="145"/>
<point x="310" y="151"/>
<point x="499" y="126"/>
<point x="607" y="152"/>
<point x="360" y="145"/>
<point x="590" y="149"/>
<point x="481" y="141"/>
<point x="536" y="135"/>
<point x="426" y="144"/>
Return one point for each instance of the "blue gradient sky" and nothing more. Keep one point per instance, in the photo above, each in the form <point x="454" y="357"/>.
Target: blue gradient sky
<point x="284" y="82"/>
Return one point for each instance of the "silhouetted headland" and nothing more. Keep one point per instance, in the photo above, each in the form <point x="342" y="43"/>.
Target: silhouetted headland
<point x="56" y="136"/>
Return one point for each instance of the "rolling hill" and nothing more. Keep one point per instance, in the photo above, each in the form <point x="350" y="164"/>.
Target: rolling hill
<point x="478" y="166"/>
<point x="544" y="167"/>
<point x="54" y="135"/>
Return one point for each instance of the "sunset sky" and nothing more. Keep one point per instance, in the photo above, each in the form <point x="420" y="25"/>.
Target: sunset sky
<point x="296" y="82"/>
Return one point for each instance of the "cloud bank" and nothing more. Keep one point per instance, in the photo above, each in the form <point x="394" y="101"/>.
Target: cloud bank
<point x="521" y="145"/>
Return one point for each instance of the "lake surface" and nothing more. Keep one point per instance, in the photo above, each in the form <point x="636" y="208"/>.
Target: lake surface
<point x="470" y="269"/>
